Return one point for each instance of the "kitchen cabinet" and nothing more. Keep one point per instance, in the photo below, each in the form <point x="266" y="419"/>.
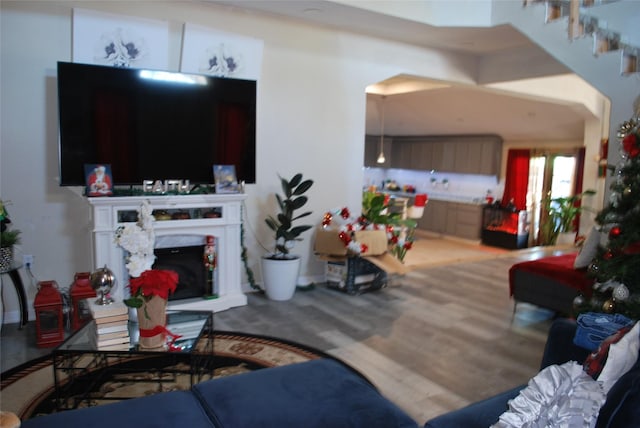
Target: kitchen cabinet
<point x="401" y="153"/>
<point x="452" y="218"/>
<point x="458" y="154"/>
<point x="421" y="155"/>
<point x="468" y="220"/>
<point x="372" y="151"/>
<point x="434" y="218"/>
<point x="478" y="157"/>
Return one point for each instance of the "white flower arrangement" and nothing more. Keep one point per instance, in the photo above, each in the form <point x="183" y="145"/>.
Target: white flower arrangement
<point x="138" y="239"/>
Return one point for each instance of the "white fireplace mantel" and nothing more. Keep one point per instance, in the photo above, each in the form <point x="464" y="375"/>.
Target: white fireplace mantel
<point x="108" y="213"/>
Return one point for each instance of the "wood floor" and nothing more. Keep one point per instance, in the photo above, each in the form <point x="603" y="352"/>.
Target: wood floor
<point x="434" y="340"/>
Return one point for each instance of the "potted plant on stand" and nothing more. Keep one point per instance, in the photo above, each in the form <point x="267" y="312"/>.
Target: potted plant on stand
<point x="280" y="269"/>
<point x="8" y="238"/>
<point x="560" y="227"/>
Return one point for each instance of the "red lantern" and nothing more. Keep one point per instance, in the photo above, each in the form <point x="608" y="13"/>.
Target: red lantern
<point x="80" y="290"/>
<point x="49" y="318"/>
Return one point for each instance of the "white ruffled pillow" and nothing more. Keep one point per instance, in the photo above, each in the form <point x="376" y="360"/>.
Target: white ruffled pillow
<point x="559" y="396"/>
<point x="589" y="249"/>
<point x="622" y="356"/>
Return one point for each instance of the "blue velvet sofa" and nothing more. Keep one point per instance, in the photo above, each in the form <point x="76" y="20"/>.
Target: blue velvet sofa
<point x="620" y="410"/>
<point x="326" y="394"/>
<point x="317" y="394"/>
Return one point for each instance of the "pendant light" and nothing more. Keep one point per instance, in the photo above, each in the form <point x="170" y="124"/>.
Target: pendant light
<point x="381" y="158"/>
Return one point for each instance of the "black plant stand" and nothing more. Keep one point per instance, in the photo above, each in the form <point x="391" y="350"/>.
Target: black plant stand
<point x="14" y="274"/>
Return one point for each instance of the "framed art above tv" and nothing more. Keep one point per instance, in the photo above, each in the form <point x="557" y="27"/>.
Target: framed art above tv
<point x="153" y="125"/>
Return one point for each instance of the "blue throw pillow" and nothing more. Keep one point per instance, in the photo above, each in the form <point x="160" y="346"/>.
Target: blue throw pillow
<point x="622" y="408"/>
<point x="594" y="327"/>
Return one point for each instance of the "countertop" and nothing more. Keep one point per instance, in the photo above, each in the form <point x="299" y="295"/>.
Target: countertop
<point x="442" y="196"/>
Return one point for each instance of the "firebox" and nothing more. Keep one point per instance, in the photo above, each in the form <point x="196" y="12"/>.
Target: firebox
<point x="188" y="263"/>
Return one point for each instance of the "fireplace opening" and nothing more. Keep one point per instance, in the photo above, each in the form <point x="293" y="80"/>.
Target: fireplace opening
<point x="188" y="263"/>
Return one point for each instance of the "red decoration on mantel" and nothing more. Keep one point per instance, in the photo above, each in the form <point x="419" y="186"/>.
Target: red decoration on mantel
<point x="49" y="318"/>
<point x="80" y="290"/>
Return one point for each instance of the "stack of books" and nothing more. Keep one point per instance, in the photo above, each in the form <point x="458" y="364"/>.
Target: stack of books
<point x="112" y="325"/>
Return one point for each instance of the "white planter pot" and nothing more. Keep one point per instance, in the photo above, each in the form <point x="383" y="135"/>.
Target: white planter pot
<point x="280" y="277"/>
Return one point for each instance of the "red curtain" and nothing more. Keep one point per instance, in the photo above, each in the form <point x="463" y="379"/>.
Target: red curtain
<point x="517" y="179"/>
<point x="232" y="137"/>
<point x="113" y="121"/>
<point x="579" y="181"/>
<point x="579" y="170"/>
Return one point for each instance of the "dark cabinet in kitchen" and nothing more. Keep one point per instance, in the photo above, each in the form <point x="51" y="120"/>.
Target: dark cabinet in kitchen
<point x="372" y="151"/>
<point x="452" y="218"/>
<point x="458" y="154"/>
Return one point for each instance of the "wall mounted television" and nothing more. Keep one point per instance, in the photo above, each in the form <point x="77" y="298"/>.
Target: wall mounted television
<point x="153" y="125"/>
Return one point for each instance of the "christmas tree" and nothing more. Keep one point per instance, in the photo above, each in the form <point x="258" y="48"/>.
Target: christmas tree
<point x="616" y="267"/>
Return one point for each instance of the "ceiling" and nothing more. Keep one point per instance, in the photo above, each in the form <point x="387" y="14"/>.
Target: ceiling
<point x="462" y="110"/>
<point x="431" y="108"/>
<point x="361" y="21"/>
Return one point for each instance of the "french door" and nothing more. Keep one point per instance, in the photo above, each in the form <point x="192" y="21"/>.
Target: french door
<point x="552" y="173"/>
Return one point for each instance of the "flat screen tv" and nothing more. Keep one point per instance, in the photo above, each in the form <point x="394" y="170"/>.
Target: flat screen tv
<point x="153" y="125"/>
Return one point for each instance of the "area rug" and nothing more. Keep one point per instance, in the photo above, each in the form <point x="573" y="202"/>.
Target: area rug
<point x="28" y="390"/>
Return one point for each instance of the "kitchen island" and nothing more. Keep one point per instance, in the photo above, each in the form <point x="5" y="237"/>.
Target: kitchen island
<point x="447" y="214"/>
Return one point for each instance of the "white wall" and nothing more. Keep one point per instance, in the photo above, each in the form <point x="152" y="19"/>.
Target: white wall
<point x="311" y="109"/>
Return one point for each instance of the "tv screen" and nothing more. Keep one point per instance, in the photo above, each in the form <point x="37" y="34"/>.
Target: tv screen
<point x="153" y="125"/>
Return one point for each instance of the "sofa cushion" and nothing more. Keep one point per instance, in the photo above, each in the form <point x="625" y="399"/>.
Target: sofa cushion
<point x="319" y="393"/>
<point x="559" y="347"/>
<point x="622" y="408"/>
<point x="169" y="409"/>
<point x="589" y="249"/>
<point x="480" y="414"/>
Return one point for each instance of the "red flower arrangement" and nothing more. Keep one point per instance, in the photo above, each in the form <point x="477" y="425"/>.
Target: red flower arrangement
<point x="399" y="237"/>
<point x="152" y="282"/>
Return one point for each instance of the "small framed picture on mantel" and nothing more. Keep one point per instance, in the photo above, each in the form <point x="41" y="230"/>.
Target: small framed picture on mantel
<point x="225" y="179"/>
<point x="98" y="180"/>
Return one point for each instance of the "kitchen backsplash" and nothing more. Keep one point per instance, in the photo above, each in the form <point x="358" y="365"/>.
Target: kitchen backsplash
<point x="438" y="185"/>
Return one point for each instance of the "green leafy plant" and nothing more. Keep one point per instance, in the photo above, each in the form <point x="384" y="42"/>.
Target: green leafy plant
<point x="375" y="209"/>
<point x="561" y="215"/>
<point x="8" y="237"/>
<point x="282" y="224"/>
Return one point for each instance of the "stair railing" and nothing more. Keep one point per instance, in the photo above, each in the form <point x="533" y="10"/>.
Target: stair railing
<point x="582" y="24"/>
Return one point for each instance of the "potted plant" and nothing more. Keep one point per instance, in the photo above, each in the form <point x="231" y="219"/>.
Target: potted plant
<point x="375" y="210"/>
<point x="8" y="238"/>
<point x="561" y="215"/>
<point x="280" y="268"/>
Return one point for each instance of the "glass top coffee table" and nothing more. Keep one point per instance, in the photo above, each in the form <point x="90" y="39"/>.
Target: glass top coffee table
<point x="79" y="365"/>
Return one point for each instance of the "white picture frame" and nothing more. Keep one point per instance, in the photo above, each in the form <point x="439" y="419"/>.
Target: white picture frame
<point x="220" y="54"/>
<point x="225" y="179"/>
<point x="108" y="39"/>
